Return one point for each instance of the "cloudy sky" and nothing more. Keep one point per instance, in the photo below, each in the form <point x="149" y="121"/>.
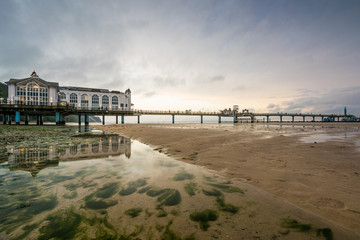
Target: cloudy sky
<point x="268" y="56"/>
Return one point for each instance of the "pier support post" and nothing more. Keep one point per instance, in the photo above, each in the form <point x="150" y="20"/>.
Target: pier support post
<point x="57" y="118"/>
<point x="338" y="119"/>
<point x="87" y="120"/>
<point x="79" y="119"/>
<point x="26" y="119"/>
<point x="219" y="119"/>
<point x="138" y="119"/>
<point x="293" y="118"/>
<point x="303" y="118"/>
<point x="267" y="119"/>
<point x="37" y="120"/>
<point x="117" y="119"/>
<point x="281" y="118"/>
<point x="173" y="119"/>
<point x="103" y="120"/>
<point x="122" y="119"/>
<point x="41" y="120"/>
<point x="17" y="118"/>
<point x="201" y="119"/>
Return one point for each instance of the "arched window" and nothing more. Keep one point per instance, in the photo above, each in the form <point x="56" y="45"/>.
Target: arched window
<point x="62" y="96"/>
<point x="21" y="92"/>
<point x="73" y="98"/>
<point x="105" y="146"/>
<point x="84" y="101"/>
<point x="73" y="150"/>
<point x="95" y="102"/>
<point x="84" y="148"/>
<point x="32" y="93"/>
<point x="95" y="147"/>
<point x="105" y="102"/>
<point x="115" y="103"/>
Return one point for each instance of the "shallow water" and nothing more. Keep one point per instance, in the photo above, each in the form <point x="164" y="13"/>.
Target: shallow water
<point x="116" y="188"/>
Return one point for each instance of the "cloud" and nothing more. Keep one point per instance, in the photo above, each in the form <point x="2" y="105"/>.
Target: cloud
<point x="197" y="49"/>
<point x="218" y="78"/>
<point x="331" y="101"/>
<point x="273" y="107"/>
<point x="149" y="94"/>
<point x="168" y="81"/>
<point x="240" y="88"/>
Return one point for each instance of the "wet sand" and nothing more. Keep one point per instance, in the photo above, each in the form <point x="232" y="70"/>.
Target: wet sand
<point x="311" y="165"/>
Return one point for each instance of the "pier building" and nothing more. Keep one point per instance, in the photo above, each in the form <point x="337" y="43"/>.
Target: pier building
<point x="36" y="91"/>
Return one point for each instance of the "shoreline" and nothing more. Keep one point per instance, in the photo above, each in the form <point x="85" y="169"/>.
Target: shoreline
<point x="319" y="177"/>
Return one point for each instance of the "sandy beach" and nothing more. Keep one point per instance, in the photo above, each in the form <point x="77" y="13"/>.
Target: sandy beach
<point x="314" y="166"/>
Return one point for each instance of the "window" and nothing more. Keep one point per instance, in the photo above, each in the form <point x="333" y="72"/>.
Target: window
<point x="95" y="147"/>
<point x="32" y="93"/>
<point x="105" y="102"/>
<point x="114" y="103"/>
<point x="43" y="100"/>
<point x="73" y="150"/>
<point x="84" y="101"/>
<point x="21" y="92"/>
<point x="73" y="98"/>
<point x="95" y="102"/>
<point x="62" y="96"/>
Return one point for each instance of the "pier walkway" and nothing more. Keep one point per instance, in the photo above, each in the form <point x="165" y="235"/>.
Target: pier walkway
<point x="14" y="112"/>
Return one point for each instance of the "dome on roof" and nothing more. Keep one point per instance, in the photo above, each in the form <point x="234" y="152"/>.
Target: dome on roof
<point x="33" y="74"/>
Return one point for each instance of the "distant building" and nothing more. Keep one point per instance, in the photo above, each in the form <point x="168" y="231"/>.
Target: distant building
<point x="36" y="91"/>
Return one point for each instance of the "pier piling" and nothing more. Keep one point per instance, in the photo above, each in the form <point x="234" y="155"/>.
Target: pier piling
<point x="17" y="118"/>
<point x="87" y="120"/>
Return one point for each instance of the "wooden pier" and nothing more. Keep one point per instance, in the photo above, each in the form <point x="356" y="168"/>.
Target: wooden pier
<point x="12" y="112"/>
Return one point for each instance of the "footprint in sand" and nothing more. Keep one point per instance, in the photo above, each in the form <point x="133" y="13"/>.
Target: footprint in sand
<point x="329" y="203"/>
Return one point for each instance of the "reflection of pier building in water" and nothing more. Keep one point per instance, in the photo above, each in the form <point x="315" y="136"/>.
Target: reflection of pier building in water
<point x="33" y="159"/>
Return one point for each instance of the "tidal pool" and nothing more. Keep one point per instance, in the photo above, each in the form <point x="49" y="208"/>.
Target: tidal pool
<point x="111" y="187"/>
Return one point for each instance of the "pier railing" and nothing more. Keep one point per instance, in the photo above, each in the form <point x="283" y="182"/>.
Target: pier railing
<point x="61" y="110"/>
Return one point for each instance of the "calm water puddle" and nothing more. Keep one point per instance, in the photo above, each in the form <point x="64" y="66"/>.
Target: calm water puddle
<point x="114" y="188"/>
<point x="324" y="137"/>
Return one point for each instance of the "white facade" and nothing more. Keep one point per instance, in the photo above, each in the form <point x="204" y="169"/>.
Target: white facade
<point x="32" y="91"/>
<point x="95" y="99"/>
<point x="36" y="91"/>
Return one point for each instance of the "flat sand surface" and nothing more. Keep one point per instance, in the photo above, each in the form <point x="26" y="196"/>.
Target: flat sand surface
<point x="315" y="166"/>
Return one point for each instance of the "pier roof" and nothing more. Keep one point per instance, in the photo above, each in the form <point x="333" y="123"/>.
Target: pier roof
<point x="33" y="76"/>
<point x="83" y="89"/>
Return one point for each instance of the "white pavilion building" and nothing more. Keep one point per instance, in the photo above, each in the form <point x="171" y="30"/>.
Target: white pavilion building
<point x="36" y="91"/>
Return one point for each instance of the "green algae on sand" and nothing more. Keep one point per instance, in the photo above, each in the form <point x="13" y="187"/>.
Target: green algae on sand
<point x="183" y="175"/>
<point x="133" y="212"/>
<point x="108" y="190"/>
<point x="92" y="203"/>
<point x="60" y="225"/>
<point x="204" y="217"/>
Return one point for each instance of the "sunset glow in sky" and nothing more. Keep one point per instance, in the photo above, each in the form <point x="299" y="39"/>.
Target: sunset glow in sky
<point x="268" y="56"/>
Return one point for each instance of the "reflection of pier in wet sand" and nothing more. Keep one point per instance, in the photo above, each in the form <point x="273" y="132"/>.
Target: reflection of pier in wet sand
<point x="33" y="159"/>
<point x="113" y="194"/>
